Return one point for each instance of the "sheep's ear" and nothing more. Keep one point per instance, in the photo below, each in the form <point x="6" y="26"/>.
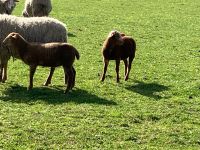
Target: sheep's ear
<point x="122" y="34"/>
<point x="111" y="34"/>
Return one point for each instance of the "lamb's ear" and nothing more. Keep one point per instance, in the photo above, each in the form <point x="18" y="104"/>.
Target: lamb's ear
<point x="122" y="34"/>
<point x="111" y="34"/>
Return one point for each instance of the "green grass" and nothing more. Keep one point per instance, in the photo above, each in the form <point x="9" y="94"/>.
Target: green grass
<point x="158" y="108"/>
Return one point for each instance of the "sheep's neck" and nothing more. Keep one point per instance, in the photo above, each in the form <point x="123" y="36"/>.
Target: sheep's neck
<point x="21" y="49"/>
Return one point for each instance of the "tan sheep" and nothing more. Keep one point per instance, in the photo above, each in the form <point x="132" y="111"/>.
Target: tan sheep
<point x="118" y="47"/>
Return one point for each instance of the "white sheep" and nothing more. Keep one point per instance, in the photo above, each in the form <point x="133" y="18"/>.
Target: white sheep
<point x="34" y="29"/>
<point x="7" y="6"/>
<point x="37" y="8"/>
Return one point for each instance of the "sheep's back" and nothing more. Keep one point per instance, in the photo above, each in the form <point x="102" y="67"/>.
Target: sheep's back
<point x="34" y="29"/>
<point x="121" y="52"/>
<point x="50" y="54"/>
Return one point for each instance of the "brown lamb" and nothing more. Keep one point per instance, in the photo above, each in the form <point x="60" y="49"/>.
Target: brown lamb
<point x="47" y="55"/>
<point x="118" y="47"/>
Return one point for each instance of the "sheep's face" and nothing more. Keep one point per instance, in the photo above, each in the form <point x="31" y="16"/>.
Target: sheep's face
<point x="7" y="42"/>
<point x="6" y="46"/>
<point x="114" y="39"/>
<point x="10" y="44"/>
<point x="11" y="40"/>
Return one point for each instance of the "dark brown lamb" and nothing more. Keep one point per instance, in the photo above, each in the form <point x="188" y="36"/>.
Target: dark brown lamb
<point x="118" y="47"/>
<point x="47" y="55"/>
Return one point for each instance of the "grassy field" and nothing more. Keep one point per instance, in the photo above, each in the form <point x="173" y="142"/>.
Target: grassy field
<point x="158" y="108"/>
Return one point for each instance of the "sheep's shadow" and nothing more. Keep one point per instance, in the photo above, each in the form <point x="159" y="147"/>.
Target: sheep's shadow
<point x="149" y="89"/>
<point x="52" y="95"/>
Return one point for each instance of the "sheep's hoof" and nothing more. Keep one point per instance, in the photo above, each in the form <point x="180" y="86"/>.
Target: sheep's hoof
<point x="29" y="88"/>
<point x="66" y="91"/>
<point x="73" y="85"/>
<point x="3" y="80"/>
<point x="126" y="78"/>
<point x="46" y="83"/>
<point x="102" y="79"/>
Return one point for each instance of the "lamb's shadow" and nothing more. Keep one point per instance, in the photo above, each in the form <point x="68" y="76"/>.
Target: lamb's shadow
<point x="149" y="89"/>
<point x="51" y="95"/>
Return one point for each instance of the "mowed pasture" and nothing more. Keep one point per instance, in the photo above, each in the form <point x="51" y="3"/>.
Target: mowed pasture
<point x="157" y="108"/>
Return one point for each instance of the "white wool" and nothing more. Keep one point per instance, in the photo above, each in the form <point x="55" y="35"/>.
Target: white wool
<point x="34" y="29"/>
<point x="37" y="8"/>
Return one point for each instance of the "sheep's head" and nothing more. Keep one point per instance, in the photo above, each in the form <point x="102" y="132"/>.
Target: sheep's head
<point x="114" y="39"/>
<point x="7" y="6"/>
<point x="5" y="49"/>
<point x="10" y="44"/>
<point x="10" y="39"/>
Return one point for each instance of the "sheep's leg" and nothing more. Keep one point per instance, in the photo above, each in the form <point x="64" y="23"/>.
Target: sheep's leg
<point x="48" y="81"/>
<point x="74" y="77"/>
<point x="125" y="66"/>
<point x="71" y="78"/>
<point x="1" y="72"/>
<point x="129" y="67"/>
<point x="32" y="71"/>
<point x="70" y="74"/>
<point x="66" y="79"/>
<point x="5" y="66"/>
<point x="117" y="70"/>
<point x="106" y="62"/>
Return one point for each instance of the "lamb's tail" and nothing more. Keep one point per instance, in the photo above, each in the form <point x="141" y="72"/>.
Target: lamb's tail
<point x="77" y="54"/>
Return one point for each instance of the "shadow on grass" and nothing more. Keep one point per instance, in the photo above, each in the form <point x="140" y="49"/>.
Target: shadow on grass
<point x="51" y="95"/>
<point x="148" y="89"/>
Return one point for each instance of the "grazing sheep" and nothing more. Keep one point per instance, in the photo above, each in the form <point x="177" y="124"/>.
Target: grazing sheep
<point x="7" y="6"/>
<point x="118" y="47"/>
<point x="47" y="55"/>
<point x="37" y="8"/>
<point x="34" y="29"/>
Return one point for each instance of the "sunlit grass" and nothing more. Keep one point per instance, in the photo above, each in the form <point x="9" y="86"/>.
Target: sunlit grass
<point x="158" y="108"/>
